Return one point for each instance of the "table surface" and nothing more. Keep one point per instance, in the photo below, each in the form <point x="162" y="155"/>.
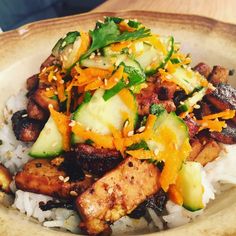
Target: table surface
<point x="223" y="10"/>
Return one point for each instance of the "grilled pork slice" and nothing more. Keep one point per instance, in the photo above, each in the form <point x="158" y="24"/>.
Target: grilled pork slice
<point x="25" y="128"/>
<point x="34" y="111"/>
<point x="5" y="179"/>
<point x="203" y="69"/>
<point x="193" y="127"/>
<point x="227" y="135"/>
<point x="218" y="75"/>
<point x="32" y="82"/>
<point x="43" y="101"/>
<point x="166" y="90"/>
<point x="97" y="161"/>
<point x="39" y="176"/>
<point x="196" y="148"/>
<point x="116" y="194"/>
<point x="223" y="97"/>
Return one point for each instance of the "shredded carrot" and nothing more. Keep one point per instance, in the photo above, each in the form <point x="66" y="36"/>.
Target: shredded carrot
<point x="155" y="41"/>
<point x="123" y="26"/>
<point x="174" y="195"/>
<point x="117" y="47"/>
<point x="118" y="139"/>
<point x="94" y="85"/>
<point x="105" y="141"/>
<point x="114" y="79"/>
<point x="62" y="122"/>
<point x="142" y="154"/>
<point x="128" y="125"/>
<point x="128" y="99"/>
<point x="212" y="125"/>
<point x="227" y="114"/>
<point x="50" y="93"/>
<point x="85" y="42"/>
<point x="60" y="87"/>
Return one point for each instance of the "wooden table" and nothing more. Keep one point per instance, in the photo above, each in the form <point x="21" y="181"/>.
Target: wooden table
<point x="223" y="10"/>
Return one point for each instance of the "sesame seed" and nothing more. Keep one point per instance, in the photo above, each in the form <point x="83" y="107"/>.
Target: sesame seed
<point x="72" y="123"/>
<point x="70" y="50"/>
<point x="87" y="129"/>
<point x="130" y="51"/>
<point x="66" y="179"/>
<point x="24" y="115"/>
<point x="126" y="21"/>
<point x="127" y="82"/>
<point x="130" y="133"/>
<point x="50" y="106"/>
<point x="141" y="129"/>
<point x="105" y="82"/>
<point x="156" y="151"/>
<point x="176" y="147"/>
<point x="169" y="77"/>
<point x="54" y="77"/>
<point x="100" y="21"/>
<point x="47" y="89"/>
<point x="56" y="93"/>
<point x="44" y="69"/>
<point x="63" y="44"/>
<point x="92" y="55"/>
<point x="62" y="81"/>
<point x="126" y="124"/>
<point x="54" y="144"/>
<point x="61" y="178"/>
<point x="65" y="58"/>
<point x="110" y="190"/>
<point x="116" y="79"/>
<point x="154" y="59"/>
<point x="73" y="193"/>
<point x="181" y="103"/>
<point x="99" y="54"/>
<point x="196" y="106"/>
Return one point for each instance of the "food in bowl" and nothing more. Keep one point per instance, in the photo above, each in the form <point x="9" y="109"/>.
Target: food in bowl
<point x="118" y="129"/>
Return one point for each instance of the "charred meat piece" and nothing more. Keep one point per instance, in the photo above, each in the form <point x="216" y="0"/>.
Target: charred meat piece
<point x="43" y="101"/>
<point x="51" y="204"/>
<point x="168" y="105"/>
<point x="192" y="126"/>
<point x="5" y="179"/>
<point x="25" y="129"/>
<point x="179" y="96"/>
<point x="218" y="75"/>
<point x="97" y="161"/>
<point x="203" y="69"/>
<point x="116" y="194"/>
<point x="39" y="176"/>
<point x="227" y="135"/>
<point x="32" y="83"/>
<point x="34" y="111"/>
<point x="157" y="202"/>
<point x="209" y="153"/>
<point x="166" y="90"/>
<point x="196" y="148"/>
<point x="223" y="97"/>
<point x="50" y="61"/>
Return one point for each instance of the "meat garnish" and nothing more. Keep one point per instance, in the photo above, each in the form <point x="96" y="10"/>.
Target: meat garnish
<point x="209" y="152"/>
<point x="196" y="148"/>
<point x="39" y="176"/>
<point x="34" y="111"/>
<point x="166" y="90"/>
<point x="149" y="96"/>
<point x="97" y="161"/>
<point x="218" y="75"/>
<point x="223" y="97"/>
<point x="203" y="69"/>
<point x="51" y="204"/>
<point x="43" y="101"/>
<point x="192" y="126"/>
<point x="50" y="61"/>
<point x="157" y="202"/>
<point x="25" y="128"/>
<point x="116" y="194"/>
<point x="5" y="179"/>
<point x="32" y="83"/>
<point x="227" y="135"/>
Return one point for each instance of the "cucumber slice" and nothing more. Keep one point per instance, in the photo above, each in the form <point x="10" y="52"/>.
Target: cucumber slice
<point x="99" y="115"/>
<point x="151" y="59"/>
<point x="49" y="142"/>
<point x="98" y="62"/>
<point x="187" y="79"/>
<point x="189" y="183"/>
<point x="175" y="124"/>
<point x="190" y="102"/>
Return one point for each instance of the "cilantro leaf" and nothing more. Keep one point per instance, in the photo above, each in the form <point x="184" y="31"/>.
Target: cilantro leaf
<point x="108" y="33"/>
<point x="157" y="109"/>
<point x="140" y="145"/>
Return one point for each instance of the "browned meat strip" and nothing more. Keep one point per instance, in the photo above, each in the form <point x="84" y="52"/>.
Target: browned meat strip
<point x="166" y="90"/>
<point x="43" y="101"/>
<point x="39" y="176"/>
<point x="51" y="60"/>
<point x="32" y="82"/>
<point x="209" y="153"/>
<point x="97" y="161"/>
<point x="116" y="194"/>
<point x="34" y="111"/>
<point x="227" y="135"/>
<point x="196" y="148"/>
<point x="5" y="179"/>
<point x="218" y="75"/>
<point x="25" y="129"/>
<point x="192" y="126"/>
<point x="223" y="97"/>
<point x="203" y="69"/>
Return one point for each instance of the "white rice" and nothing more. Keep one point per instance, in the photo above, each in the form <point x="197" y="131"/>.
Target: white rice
<point x="14" y="154"/>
